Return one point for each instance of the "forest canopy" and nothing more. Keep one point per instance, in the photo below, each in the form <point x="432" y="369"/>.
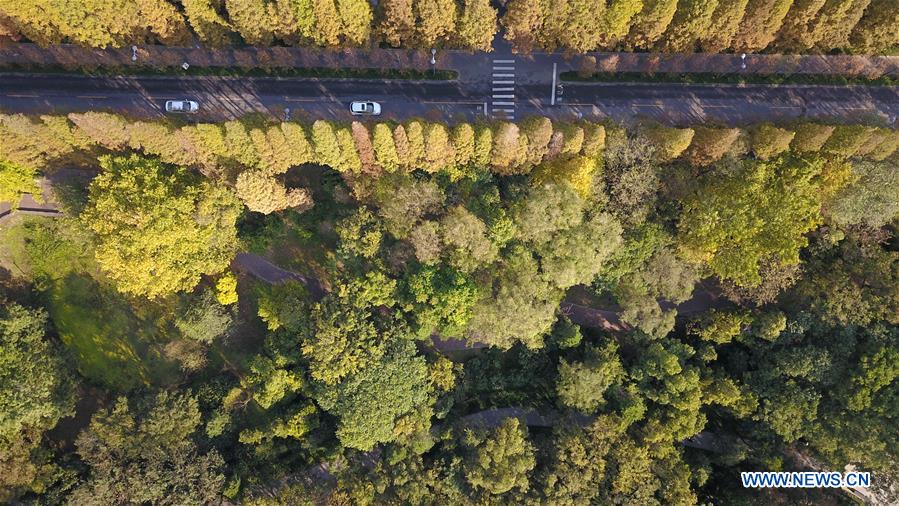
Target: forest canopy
<point x="546" y="312"/>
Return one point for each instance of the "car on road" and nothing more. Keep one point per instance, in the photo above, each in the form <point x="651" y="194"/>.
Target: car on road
<point x="182" y="106"/>
<point x="365" y="108"/>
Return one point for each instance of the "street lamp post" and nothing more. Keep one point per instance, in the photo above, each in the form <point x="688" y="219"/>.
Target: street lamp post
<point x="133" y="53"/>
<point x="434" y="60"/>
<point x="743" y="61"/>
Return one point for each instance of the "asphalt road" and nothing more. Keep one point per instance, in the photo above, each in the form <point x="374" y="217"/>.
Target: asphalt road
<point x="228" y="97"/>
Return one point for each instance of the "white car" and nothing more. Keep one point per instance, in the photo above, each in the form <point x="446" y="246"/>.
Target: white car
<point x="365" y="108"/>
<point x="182" y="106"/>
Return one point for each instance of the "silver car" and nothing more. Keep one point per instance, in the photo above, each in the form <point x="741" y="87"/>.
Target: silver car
<point x="365" y="108"/>
<point x="182" y="106"/>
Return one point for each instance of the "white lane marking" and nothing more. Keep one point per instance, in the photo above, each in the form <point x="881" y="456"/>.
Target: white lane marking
<point x="503" y="61"/>
<point x="503" y="96"/>
<point x="90" y="96"/>
<point x="21" y="95"/>
<point x="503" y="82"/>
<point x="495" y="109"/>
<point x="511" y="88"/>
<point x="503" y="75"/>
<point x="504" y="103"/>
<point x="503" y="68"/>
<point x="552" y="98"/>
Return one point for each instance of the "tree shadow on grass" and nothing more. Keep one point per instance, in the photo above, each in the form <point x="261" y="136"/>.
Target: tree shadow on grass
<point x="111" y="345"/>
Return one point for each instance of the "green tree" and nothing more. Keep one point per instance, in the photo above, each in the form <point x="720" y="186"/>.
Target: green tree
<point x="763" y="211"/>
<point x="207" y="22"/>
<point x="507" y="152"/>
<point x="283" y="305"/>
<point x="204" y="319"/>
<point x="360" y="233"/>
<point x="355" y="19"/>
<point x="834" y="22"/>
<point x="876" y="31"/>
<point x="403" y="200"/>
<point x="810" y="137"/>
<point x="581" y="384"/>
<point x="343" y="341"/>
<point x="440" y="300"/>
<point x="769" y="141"/>
<point x="539" y="131"/>
<point x="616" y="20"/>
<point x="396" y="22"/>
<point x="760" y="24"/>
<point x="165" y="22"/>
<point x="651" y="22"/>
<point x="789" y="409"/>
<point x="250" y="19"/>
<point x="463" y="144"/>
<point x="870" y="198"/>
<point x="375" y="404"/>
<point x="795" y="33"/>
<point x="846" y="140"/>
<point x="385" y="148"/>
<point x="36" y="388"/>
<point x="466" y="241"/>
<point x="501" y="461"/>
<point x="435" y="19"/>
<point x="518" y="306"/>
<point x="724" y="25"/>
<point x="16" y="180"/>
<point x="523" y="22"/>
<point x="147" y="454"/>
<point x="578" y="254"/>
<point x="477" y="25"/>
<point x="157" y="228"/>
<point x="710" y="144"/>
<point x="669" y="142"/>
<point x="691" y="21"/>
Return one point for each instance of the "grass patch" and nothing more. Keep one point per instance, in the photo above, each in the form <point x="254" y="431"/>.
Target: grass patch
<point x="323" y="73"/>
<point x="111" y="343"/>
<point x="730" y="78"/>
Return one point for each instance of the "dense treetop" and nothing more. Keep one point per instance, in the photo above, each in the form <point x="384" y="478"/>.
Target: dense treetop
<point x="542" y="312"/>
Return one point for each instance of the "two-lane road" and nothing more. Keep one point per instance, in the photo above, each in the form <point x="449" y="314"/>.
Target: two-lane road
<point x="231" y="97"/>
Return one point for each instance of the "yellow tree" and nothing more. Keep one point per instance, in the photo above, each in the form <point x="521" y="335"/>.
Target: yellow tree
<point x="396" y="22"/>
<point x="159" y="229"/>
<point x="477" y="25"/>
<point x="651" y="22"/>
<point x="435" y="19"/>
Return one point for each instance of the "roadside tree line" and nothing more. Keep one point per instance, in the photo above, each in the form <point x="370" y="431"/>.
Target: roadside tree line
<point x="862" y="26"/>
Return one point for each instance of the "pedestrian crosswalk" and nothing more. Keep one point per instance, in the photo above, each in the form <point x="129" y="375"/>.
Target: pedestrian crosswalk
<point x="503" y="96"/>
